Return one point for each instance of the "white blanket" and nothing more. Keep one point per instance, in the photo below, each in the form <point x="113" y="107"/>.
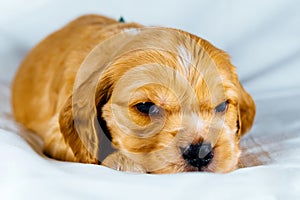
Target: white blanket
<point x="263" y="39"/>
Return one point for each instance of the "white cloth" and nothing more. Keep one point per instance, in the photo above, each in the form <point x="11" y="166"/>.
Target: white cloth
<point x="263" y="39"/>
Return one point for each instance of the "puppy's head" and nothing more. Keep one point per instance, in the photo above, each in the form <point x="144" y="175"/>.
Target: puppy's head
<point x="172" y="102"/>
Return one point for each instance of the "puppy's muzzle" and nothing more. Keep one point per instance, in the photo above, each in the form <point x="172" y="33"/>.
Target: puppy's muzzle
<point x="198" y="155"/>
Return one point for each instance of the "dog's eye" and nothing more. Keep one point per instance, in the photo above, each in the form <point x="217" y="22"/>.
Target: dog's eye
<point x="222" y="107"/>
<point x="148" y="108"/>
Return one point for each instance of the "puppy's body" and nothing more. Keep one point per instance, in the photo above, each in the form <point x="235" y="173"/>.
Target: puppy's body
<point x="46" y="77"/>
<point x="44" y="85"/>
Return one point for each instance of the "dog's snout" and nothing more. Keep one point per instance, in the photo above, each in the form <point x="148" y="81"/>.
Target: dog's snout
<point x="198" y="155"/>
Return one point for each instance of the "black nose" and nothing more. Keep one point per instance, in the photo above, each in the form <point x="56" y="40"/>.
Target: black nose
<point x="198" y="155"/>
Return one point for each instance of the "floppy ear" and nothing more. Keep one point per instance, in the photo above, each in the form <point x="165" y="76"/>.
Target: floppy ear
<point x="84" y="147"/>
<point x="246" y="110"/>
<point x="86" y="131"/>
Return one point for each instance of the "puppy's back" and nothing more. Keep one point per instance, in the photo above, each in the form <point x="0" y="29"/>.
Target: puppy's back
<point x="46" y="76"/>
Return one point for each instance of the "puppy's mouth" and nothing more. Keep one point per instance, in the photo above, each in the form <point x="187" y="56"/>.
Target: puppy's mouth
<point x="198" y="157"/>
<point x="193" y="158"/>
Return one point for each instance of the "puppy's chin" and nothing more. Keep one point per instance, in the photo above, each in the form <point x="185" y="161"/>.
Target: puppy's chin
<point x="120" y="162"/>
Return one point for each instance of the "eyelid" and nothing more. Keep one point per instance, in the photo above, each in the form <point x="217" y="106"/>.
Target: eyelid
<point x="228" y="101"/>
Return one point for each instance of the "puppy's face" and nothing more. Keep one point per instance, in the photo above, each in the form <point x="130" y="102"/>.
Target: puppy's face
<point x="171" y="102"/>
<point x="177" y="110"/>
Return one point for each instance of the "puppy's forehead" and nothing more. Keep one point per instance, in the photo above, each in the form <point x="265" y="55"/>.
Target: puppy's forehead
<point x="208" y="70"/>
<point x="200" y="71"/>
<point x="205" y="68"/>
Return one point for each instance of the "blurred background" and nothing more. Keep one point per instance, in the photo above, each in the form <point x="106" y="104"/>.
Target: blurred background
<point x="262" y="37"/>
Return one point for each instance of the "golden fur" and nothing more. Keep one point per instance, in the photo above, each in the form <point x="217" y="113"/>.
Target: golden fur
<point x="183" y="75"/>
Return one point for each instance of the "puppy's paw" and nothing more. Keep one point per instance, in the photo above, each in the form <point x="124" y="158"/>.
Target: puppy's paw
<point x="120" y="162"/>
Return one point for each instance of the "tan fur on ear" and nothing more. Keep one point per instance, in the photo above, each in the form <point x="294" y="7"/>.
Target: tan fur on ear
<point x="83" y="151"/>
<point x="247" y="110"/>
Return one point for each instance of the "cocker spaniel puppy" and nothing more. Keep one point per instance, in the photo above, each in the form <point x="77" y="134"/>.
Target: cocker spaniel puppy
<point x="133" y="98"/>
